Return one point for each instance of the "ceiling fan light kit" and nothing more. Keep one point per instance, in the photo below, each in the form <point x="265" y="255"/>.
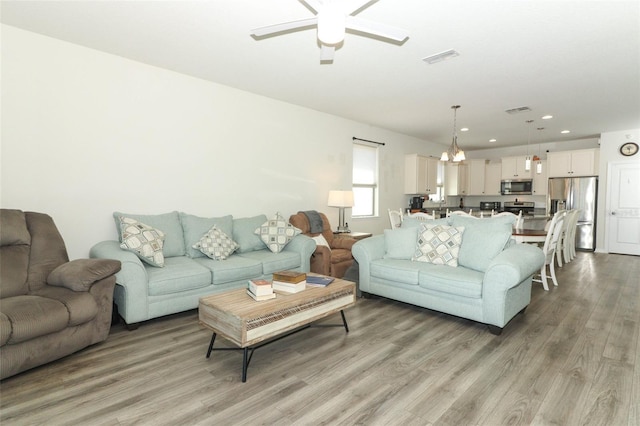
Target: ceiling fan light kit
<point x="333" y="18"/>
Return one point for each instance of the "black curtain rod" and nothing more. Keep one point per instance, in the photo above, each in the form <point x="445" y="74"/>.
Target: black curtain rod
<point x="365" y="140"/>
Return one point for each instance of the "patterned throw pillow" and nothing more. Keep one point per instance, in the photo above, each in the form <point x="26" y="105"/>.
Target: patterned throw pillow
<point x="143" y="240"/>
<point x="216" y="244"/>
<point x="276" y="233"/>
<point x="438" y="244"/>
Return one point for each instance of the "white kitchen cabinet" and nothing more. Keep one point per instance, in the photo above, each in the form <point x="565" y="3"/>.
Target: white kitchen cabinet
<point x="581" y="162"/>
<point x="454" y="179"/>
<point x="540" y="181"/>
<point x="420" y="174"/>
<point x="513" y="168"/>
<point x="475" y="177"/>
<point x="492" y="176"/>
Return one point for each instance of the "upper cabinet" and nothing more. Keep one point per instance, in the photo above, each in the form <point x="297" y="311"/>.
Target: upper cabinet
<point x="581" y="162"/>
<point x="513" y="168"/>
<point x="420" y="174"/>
<point x="475" y="177"/>
<point x="492" y="175"/>
<point x="465" y="178"/>
<point x="540" y="179"/>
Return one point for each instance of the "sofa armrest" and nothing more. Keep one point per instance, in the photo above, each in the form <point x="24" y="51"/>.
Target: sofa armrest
<point x="513" y="265"/>
<point x="305" y="246"/>
<point x="365" y="251"/>
<point x="81" y="274"/>
<point x="132" y="290"/>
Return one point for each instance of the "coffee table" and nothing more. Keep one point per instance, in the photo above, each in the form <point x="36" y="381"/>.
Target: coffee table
<point x="250" y="324"/>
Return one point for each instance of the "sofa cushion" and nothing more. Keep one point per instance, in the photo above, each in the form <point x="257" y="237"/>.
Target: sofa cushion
<point x="459" y="281"/>
<point x="179" y="274"/>
<point x="82" y="306"/>
<point x="143" y="240"/>
<point x="276" y="233"/>
<point x="483" y="240"/>
<point x="272" y="262"/>
<point x="438" y="244"/>
<point x="397" y="270"/>
<point x="194" y="227"/>
<point x="168" y="223"/>
<point x="235" y="268"/>
<point x="80" y="274"/>
<point x="243" y="233"/>
<point x="14" y="253"/>
<point x="216" y="244"/>
<point x="321" y="241"/>
<point x="400" y="243"/>
<point x="34" y="316"/>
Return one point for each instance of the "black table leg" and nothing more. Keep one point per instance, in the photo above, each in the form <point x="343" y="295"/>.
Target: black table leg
<point x="245" y="364"/>
<point x="344" y="321"/>
<point x="213" y="339"/>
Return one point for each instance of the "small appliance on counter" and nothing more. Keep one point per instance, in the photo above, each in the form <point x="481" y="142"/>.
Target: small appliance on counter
<point x="415" y="203"/>
<point x="487" y="206"/>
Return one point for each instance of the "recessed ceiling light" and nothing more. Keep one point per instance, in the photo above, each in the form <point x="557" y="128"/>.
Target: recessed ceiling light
<point x="464" y="129"/>
<point x="565" y="131"/>
<point x="492" y="140"/>
<point x="547" y="117"/>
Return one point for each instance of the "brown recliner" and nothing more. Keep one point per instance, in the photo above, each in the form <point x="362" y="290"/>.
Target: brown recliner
<point x="333" y="260"/>
<point x="49" y="307"/>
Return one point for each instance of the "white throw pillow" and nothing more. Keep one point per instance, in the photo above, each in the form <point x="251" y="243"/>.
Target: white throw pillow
<point x="143" y="240"/>
<point x="321" y="241"/>
<point x="276" y="233"/>
<point x="438" y="244"/>
<point x="216" y="244"/>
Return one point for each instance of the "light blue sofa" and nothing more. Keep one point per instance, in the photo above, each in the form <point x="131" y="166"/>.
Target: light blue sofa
<point x="144" y="292"/>
<point x="491" y="284"/>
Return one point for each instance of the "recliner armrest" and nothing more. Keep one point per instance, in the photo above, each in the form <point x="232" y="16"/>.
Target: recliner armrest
<point x="81" y="274"/>
<point x="343" y="243"/>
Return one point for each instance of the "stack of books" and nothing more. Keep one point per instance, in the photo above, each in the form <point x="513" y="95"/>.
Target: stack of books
<point x="289" y="281"/>
<point x="260" y="290"/>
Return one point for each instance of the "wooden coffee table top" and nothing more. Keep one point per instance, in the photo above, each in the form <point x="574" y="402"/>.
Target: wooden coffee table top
<point x="244" y="321"/>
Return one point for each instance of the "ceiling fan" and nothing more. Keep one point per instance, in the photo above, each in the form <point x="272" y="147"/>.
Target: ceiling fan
<point x="333" y="18"/>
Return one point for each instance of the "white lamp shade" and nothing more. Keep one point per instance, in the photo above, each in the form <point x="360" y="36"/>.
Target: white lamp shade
<point x="340" y="199"/>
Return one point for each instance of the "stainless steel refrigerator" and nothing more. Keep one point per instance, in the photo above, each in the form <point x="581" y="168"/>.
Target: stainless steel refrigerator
<point x="576" y="193"/>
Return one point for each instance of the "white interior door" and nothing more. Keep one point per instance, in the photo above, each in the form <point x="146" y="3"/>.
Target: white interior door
<point x="624" y="208"/>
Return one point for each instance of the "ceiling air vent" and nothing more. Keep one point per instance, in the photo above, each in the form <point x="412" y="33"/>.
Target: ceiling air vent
<point x="518" y="110"/>
<point x="439" y="57"/>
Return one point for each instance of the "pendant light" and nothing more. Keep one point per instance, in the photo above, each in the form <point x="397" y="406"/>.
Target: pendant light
<point x="527" y="161"/>
<point x="454" y="153"/>
<point x="539" y="163"/>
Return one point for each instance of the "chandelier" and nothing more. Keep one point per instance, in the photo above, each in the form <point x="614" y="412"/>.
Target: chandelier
<point x="454" y="153"/>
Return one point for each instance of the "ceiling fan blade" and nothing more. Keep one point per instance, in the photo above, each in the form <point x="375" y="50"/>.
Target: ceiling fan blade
<point x="352" y="6"/>
<point x="375" y="28"/>
<point x="285" y="26"/>
<point x="327" y="52"/>
<point x="313" y="4"/>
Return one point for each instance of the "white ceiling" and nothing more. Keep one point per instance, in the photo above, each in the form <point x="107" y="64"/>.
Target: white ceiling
<point x="577" y="60"/>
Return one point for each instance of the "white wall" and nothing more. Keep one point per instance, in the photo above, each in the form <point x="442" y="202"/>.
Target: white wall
<point x="85" y="133"/>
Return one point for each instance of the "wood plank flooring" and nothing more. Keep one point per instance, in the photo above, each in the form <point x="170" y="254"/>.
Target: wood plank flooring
<point x="572" y="359"/>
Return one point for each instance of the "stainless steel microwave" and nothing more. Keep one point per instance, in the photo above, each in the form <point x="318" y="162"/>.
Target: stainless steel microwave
<point x="516" y="187"/>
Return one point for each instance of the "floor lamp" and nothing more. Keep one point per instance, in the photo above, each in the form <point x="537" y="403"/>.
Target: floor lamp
<point x="341" y="199"/>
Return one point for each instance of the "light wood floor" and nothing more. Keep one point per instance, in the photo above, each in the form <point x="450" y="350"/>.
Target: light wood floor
<point x="571" y="359"/>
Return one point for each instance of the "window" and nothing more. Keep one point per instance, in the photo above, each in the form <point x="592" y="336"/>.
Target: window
<point x="365" y="180"/>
